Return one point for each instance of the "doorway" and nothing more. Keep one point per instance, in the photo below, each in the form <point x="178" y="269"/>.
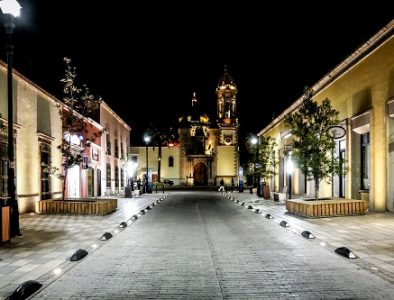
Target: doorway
<point x="98" y="183"/>
<point x="90" y="183"/>
<point x="73" y="182"/>
<point x="200" y="174"/>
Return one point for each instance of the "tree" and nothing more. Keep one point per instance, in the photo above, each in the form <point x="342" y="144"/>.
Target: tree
<point x="263" y="153"/>
<point x="76" y="106"/>
<point x="267" y="158"/>
<point x="313" y="148"/>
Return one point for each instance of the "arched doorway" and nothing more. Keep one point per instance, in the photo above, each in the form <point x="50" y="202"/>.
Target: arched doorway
<point x="200" y="174"/>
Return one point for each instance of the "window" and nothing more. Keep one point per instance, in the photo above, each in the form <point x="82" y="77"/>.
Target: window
<point x="45" y="154"/>
<point x="108" y="176"/>
<point x="121" y="178"/>
<point x="108" y="144"/>
<point x="116" y="177"/>
<point x="95" y="154"/>
<point x="170" y="161"/>
<point x="3" y="164"/>
<point x="116" y="148"/>
<point x="121" y="150"/>
<point x="365" y="161"/>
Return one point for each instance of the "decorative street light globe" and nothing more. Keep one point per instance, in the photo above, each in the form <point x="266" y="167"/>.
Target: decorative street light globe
<point x="11" y="7"/>
<point x="147" y="139"/>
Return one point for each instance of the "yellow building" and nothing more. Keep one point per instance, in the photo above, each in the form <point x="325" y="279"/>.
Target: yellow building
<point x="361" y="88"/>
<point x="37" y="132"/>
<point x="207" y="151"/>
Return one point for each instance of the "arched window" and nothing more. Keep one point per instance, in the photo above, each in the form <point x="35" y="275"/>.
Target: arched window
<point x="170" y="161"/>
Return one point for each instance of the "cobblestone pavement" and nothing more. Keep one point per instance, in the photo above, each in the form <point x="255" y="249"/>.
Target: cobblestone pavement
<point x="370" y="236"/>
<point x="50" y="240"/>
<point x="203" y="246"/>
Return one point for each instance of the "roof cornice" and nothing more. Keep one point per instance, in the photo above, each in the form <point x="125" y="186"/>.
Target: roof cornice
<point x="382" y="36"/>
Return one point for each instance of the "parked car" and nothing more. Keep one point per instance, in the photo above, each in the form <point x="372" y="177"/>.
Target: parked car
<point x="168" y="181"/>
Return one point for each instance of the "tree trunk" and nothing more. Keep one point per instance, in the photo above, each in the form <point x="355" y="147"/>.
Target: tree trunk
<point x="64" y="183"/>
<point x="317" y="181"/>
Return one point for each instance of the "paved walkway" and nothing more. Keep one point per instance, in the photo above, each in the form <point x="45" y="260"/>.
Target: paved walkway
<point x="370" y="236"/>
<point x="201" y="246"/>
<point x="50" y="240"/>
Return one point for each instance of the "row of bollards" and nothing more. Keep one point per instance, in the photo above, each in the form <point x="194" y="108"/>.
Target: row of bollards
<point x="107" y="235"/>
<point x="344" y="251"/>
<point x="28" y="288"/>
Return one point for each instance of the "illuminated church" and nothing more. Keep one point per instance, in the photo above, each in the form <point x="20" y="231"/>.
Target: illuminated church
<point x="207" y="151"/>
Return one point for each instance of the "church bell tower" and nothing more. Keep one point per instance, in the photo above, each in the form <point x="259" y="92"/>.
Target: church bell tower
<point x="227" y="121"/>
<point x="227" y="109"/>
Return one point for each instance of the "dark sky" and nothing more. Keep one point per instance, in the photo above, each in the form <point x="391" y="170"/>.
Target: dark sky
<point x="145" y="60"/>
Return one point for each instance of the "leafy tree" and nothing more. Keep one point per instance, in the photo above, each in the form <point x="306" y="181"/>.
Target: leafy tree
<point x="76" y="106"/>
<point x="266" y="157"/>
<point x="313" y="148"/>
<point x="263" y="155"/>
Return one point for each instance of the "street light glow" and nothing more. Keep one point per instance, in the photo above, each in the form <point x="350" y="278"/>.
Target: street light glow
<point x="290" y="165"/>
<point x="131" y="168"/>
<point x="254" y="140"/>
<point x="147" y="139"/>
<point x="11" y="7"/>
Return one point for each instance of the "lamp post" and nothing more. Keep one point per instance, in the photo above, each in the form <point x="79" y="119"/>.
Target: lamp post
<point x="11" y="10"/>
<point x="289" y="168"/>
<point x="254" y="142"/>
<point x="148" y="188"/>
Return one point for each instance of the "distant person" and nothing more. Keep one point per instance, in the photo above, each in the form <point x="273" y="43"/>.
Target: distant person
<point x="221" y="187"/>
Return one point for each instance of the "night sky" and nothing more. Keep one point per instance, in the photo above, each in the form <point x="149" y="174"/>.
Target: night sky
<point x="146" y="60"/>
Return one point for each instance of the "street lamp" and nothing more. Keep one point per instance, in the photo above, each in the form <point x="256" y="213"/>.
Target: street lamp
<point x="11" y="10"/>
<point x="289" y="168"/>
<point x="148" y="187"/>
<point x="254" y="142"/>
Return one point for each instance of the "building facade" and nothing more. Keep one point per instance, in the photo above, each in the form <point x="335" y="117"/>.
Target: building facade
<point x="37" y="134"/>
<point x="361" y="88"/>
<point x="206" y="151"/>
<point x="115" y="141"/>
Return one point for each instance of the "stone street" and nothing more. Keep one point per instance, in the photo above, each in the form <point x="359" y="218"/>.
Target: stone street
<point x="203" y="246"/>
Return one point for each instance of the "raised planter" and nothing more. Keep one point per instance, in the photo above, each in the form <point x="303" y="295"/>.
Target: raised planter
<point x="326" y="208"/>
<point x="77" y="206"/>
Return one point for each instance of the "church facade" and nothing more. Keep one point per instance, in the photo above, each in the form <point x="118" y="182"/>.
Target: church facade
<point x="206" y="151"/>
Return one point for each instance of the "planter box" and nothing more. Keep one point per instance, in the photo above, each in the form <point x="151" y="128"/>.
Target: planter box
<point x="327" y="208"/>
<point x="77" y="206"/>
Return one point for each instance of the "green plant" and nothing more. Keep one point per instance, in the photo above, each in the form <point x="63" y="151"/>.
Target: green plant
<point x="76" y="106"/>
<point x="263" y="161"/>
<point x="313" y="148"/>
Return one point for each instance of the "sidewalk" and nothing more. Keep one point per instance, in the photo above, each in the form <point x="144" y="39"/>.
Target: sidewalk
<point x="370" y="236"/>
<point x="50" y="240"/>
